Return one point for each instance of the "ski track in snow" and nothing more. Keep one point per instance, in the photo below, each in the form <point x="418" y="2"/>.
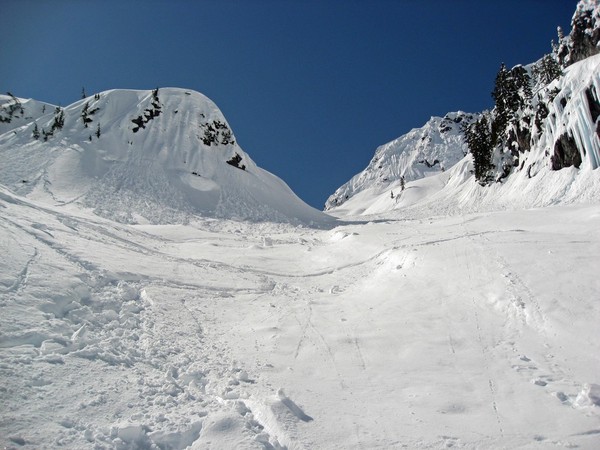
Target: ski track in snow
<point x="524" y="310"/>
<point x="485" y="348"/>
<point x="408" y="334"/>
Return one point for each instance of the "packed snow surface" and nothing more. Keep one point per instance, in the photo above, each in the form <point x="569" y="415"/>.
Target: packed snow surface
<point x="472" y="331"/>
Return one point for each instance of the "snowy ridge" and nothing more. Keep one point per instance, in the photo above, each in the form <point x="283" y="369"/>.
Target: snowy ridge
<point x="158" y="156"/>
<point x="16" y="112"/>
<point x="422" y="152"/>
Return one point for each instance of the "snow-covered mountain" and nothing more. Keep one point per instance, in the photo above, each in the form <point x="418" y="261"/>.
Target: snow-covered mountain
<point x="422" y="152"/>
<point x="141" y="156"/>
<point x="568" y="137"/>
<point x="540" y="145"/>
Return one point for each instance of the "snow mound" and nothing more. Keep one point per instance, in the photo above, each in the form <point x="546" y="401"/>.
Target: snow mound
<point x="158" y="156"/>
<point x="589" y="396"/>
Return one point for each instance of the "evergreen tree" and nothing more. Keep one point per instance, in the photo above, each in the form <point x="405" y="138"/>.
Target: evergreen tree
<point x="522" y="84"/>
<point x="584" y="38"/>
<point x="500" y="96"/>
<point x="562" y="48"/>
<point x="85" y="113"/>
<point x="98" y="131"/>
<point x="512" y="92"/>
<point x="59" y="120"/>
<point x="546" y="70"/>
<point x="47" y="134"/>
<point x="155" y="100"/>
<point x="83" y="95"/>
<point x="479" y="138"/>
<point x="584" y="35"/>
<point x="36" y="132"/>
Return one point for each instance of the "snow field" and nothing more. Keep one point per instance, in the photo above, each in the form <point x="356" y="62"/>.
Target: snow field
<point x="470" y="332"/>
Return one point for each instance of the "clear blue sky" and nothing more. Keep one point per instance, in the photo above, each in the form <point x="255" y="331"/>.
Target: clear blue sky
<point x="310" y="87"/>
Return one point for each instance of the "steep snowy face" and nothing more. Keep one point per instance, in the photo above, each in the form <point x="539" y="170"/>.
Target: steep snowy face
<point x="422" y="152"/>
<point x="550" y="158"/>
<point x="570" y="134"/>
<point x="145" y="156"/>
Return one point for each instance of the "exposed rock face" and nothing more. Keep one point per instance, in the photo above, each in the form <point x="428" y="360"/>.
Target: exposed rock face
<point x="566" y="153"/>
<point x="593" y="103"/>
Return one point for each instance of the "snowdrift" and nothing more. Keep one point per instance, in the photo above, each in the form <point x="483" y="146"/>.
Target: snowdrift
<point x="157" y="156"/>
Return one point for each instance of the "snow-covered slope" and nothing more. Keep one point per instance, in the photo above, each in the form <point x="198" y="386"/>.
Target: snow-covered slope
<point x="422" y="330"/>
<point x="145" y="156"/>
<point x="16" y="112"/>
<point x="472" y="332"/>
<point x="422" y="152"/>
<point x="539" y="145"/>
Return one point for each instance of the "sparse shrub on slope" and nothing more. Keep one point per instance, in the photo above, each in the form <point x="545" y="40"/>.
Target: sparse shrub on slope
<point x="149" y="113"/>
<point x="216" y="133"/>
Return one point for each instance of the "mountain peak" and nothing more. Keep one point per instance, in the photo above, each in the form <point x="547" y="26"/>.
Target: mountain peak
<point x="135" y="156"/>
<point x="422" y="152"/>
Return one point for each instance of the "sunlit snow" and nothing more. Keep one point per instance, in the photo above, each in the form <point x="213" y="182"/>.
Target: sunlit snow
<point x="158" y="290"/>
<point x="477" y="331"/>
